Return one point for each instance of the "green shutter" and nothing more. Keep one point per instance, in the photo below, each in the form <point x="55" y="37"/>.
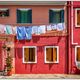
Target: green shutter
<point x="29" y="16"/>
<point x="54" y="16"/>
<point x="50" y="16"/>
<point x="18" y="16"/>
<point x="62" y="16"/>
<point x="24" y="16"/>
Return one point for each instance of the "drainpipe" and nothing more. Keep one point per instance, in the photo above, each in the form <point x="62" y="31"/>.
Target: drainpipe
<point x="68" y="38"/>
<point x="72" y="40"/>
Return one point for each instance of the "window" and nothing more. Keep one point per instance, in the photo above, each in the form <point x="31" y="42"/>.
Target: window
<point x="77" y="54"/>
<point x="51" y="54"/>
<point x="4" y="12"/>
<point x="56" y="16"/>
<point x="24" y="15"/>
<point x="29" y="54"/>
<point x="77" y="17"/>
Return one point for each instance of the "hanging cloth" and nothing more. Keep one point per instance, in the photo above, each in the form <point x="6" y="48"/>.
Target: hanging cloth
<point x="8" y="29"/>
<point x="41" y="29"/>
<point x="28" y="33"/>
<point x="60" y="26"/>
<point x="53" y="26"/>
<point x="49" y="27"/>
<point x="14" y="29"/>
<point x="2" y="29"/>
<point x="21" y="33"/>
<point x="34" y="29"/>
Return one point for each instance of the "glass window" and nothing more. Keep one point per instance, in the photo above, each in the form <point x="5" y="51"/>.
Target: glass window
<point x="78" y="17"/>
<point x="51" y="53"/>
<point x="4" y="12"/>
<point x="78" y="54"/>
<point x="29" y="54"/>
<point x="24" y="16"/>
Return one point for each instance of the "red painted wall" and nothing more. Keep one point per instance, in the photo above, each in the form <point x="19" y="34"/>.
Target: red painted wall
<point x="40" y="66"/>
<point x="0" y="56"/>
<point x="76" y="38"/>
<point x="40" y="15"/>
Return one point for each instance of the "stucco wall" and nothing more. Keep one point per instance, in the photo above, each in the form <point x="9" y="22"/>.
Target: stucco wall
<point x="40" y="15"/>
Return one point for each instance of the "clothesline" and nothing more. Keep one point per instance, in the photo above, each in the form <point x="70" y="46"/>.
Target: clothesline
<point x="28" y="24"/>
<point x="25" y="32"/>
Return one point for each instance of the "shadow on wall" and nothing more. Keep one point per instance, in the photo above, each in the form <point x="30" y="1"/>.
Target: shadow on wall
<point x="18" y="52"/>
<point x="75" y="70"/>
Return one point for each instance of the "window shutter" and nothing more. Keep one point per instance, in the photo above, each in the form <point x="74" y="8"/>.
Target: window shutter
<point x="49" y="54"/>
<point x="26" y="54"/>
<point x="54" y="16"/>
<point x="22" y="16"/>
<point x="18" y="16"/>
<point x="54" y="54"/>
<point x="62" y="16"/>
<point x="78" y="54"/>
<point x="51" y="15"/>
<point x="33" y="54"/>
<point x="29" y="16"/>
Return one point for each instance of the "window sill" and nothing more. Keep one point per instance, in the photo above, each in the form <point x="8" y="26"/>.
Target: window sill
<point x="52" y="62"/>
<point x="4" y="17"/>
<point x="29" y="62"/>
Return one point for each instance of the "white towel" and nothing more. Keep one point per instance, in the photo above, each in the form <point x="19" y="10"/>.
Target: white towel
<point x="41" y="29"/>
<point x="49" y="27"/>
<point x="60" y="26"/>
<point x="2" y="29"/>
<point x="14" y="29"/>
<point x="34" y="29"/>
<point x="54" y="27"/>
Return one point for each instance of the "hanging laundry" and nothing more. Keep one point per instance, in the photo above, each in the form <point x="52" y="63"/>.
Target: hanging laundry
<point x="34" y="29"/>
<point x="14" y="29"/>
<point x="28" y="34"/>
<point x="41" y="29"/>
<point x="21" y="33"/>
<point x="8" y="29"/>
<point x="49" y="27"/>
<point x="2" y="29"/>
<point x="53" y="26"/>
<point x="60" y="26"/>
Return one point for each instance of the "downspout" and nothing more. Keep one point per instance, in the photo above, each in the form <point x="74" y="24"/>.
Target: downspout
<point x="72" y="40"/>
<point x="72" y="43"/>
<point x="68" y="37"/>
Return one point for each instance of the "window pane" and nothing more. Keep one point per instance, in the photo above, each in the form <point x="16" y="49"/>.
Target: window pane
<point x="54" y="54"/>
<point x="78" y="17"/>
<point x="4" y="13"/>
<point x="49" y="54"/>
<point x="26" y="54"/>
<point x="29" y="54"/>
<point x="78" y="54"/>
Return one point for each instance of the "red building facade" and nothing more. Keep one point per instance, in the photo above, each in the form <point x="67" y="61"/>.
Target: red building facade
<point x="62" y="42"/>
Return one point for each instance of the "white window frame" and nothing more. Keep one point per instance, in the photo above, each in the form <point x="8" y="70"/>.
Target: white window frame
<point x="57" y="54"/>
<point x="76" y="54"/>
<point x="76" y="17"/>
<point x="35" y="53"/>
